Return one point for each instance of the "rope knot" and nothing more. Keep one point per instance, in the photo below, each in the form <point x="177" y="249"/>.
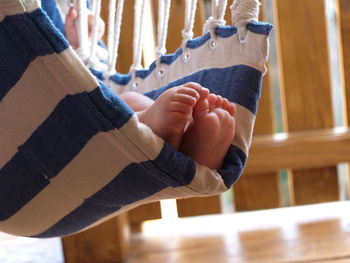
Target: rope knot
<point x="160" y="51"/>
<point x="212" y="23"/>
<point x="186" y="35"/>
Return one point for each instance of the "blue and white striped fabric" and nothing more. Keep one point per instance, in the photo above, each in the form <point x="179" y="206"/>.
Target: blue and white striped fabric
<point x="73" y="154"/>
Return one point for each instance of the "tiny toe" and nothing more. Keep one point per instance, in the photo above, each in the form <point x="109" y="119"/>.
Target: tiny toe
<point x="219" y="102"/>
<point x="225" y="103"/>
<point x="212" y="98"/>
<point x="188" y="91"/>
<point x="201" y="108"/>
<point x="186" y="99"/>
<point x="194" y="86"/>
<point x="231" y="108"/>
<point x="204" y="93"/>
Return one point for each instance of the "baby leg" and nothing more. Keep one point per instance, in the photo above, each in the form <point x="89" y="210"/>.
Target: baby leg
<point x="136" y="101"/>
<point x="210" y="134"/>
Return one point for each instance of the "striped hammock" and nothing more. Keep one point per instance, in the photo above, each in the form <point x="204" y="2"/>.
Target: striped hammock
<point x="73" y="154"/>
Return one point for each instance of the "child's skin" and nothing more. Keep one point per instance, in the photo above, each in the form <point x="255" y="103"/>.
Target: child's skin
<point x="199" y="124"/>
<point x="211" y="132"/>
<point x="71" y="30"/>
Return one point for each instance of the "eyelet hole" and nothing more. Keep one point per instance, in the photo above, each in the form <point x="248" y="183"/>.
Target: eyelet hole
<point x="186" y="56"/>
<point x="213" y="44"/>
<point x="242" y="40"/>
<point x="135" y="86"/>
<point x="160" y="72"/>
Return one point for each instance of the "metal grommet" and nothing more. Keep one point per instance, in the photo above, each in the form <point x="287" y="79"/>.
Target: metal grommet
<point x="186" y="56"/>
<point x="242" y="40"/>
<point x="160" y="72"/>
<point x="135" y="86"/>
<point x="213" y="44"/>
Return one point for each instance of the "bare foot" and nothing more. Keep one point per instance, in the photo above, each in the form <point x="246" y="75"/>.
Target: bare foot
<point x="71" y="30"/>
<point x="209" y="136"/>
<point x="171" y="112"/>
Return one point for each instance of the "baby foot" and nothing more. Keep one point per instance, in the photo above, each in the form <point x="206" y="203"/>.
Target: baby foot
<point x="71" y="30"/>
<point x="209" y="136"/>
<point x="171" y="112"/>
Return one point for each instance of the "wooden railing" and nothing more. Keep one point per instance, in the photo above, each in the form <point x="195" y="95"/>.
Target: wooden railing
<point x="310" y="147"/>
<point x="299" y="150"/>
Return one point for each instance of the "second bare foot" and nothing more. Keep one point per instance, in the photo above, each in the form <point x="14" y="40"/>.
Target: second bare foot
<point x="212" y="131"/>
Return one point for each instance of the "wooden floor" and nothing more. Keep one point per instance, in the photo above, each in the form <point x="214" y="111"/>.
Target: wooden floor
<point x="317" y="233"/>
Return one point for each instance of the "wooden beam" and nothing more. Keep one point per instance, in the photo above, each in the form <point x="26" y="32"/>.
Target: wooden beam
<point x="306" y="87"/>
<point x="105" y="243"/>
<point x="299" y="150"/>
<point x="343" y="11"/>
<point x="196" y="206"/>
<point x="142" y="213"/>
<point x="344" y="37"/>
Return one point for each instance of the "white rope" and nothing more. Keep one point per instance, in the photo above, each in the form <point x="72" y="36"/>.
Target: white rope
<point x="111" y="25"/>
<point x="137" y="45"/>
<point x="187" y="32"/>
<point x="214" y="4"/>
<point x="160" y="26"/>
<point x="219" y="9"/>
<point x="92" y="4"/>
<point x="113" y="41"/>
<point x="82" y="28"/>
<point x="217" y="18"/>
<point x="244" y="12"/>
<point x="190" y="14"/>
<point x="63" y="7"/>
<point x="96" y="10"/>
<point x="163" y="22"/>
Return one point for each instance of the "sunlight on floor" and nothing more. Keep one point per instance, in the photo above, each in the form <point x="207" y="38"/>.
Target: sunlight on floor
<point x="20" y="249"/>
<point x="243" y="221"/>
<point x="169" y="209"/>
